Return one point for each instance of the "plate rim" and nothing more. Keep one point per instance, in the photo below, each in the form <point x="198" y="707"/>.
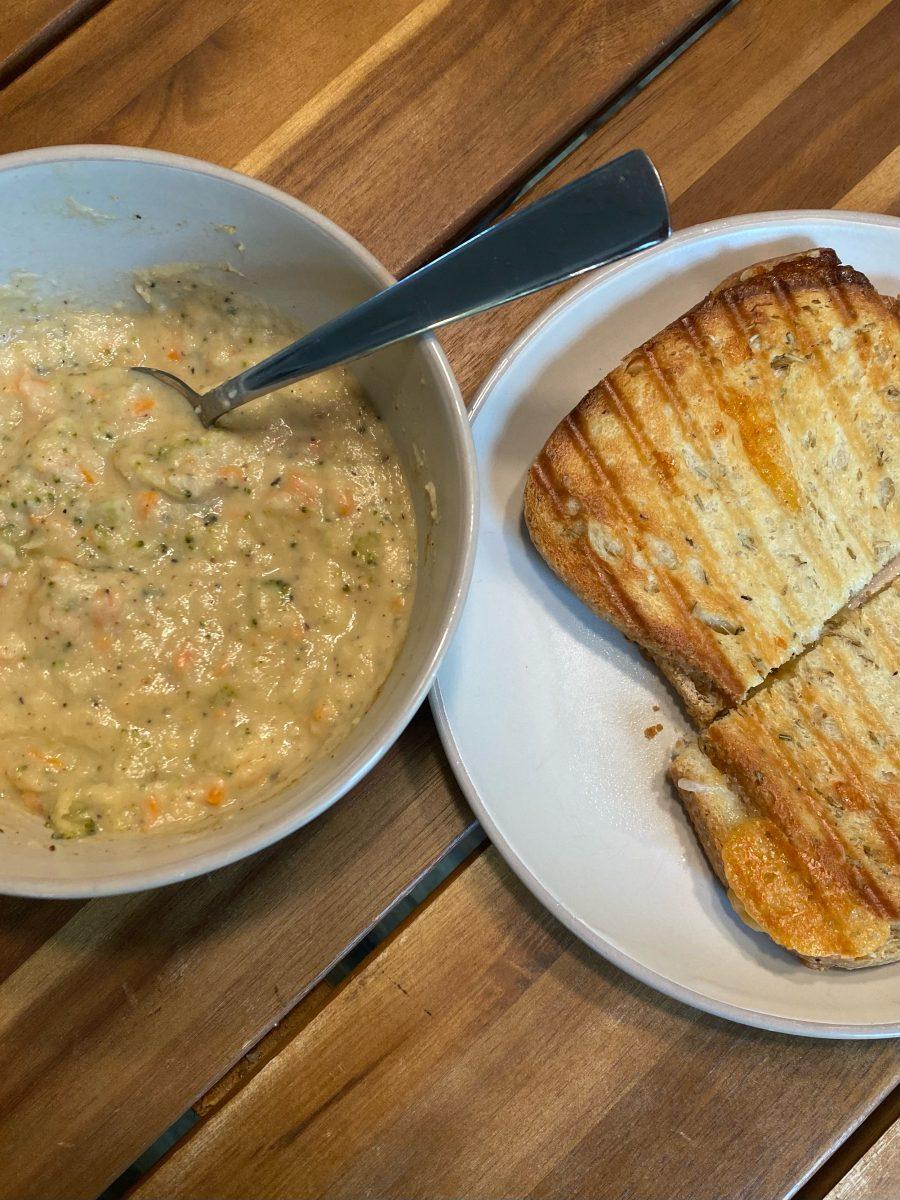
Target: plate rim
<point x="742" y="1015"/>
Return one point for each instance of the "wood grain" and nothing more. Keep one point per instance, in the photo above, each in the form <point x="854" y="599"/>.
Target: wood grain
<point x="866" y="1136"/>
<point x="484" y="1052"/>
<point x="134" y="1005"/>
<point x="401" y="121"/>
<point x="830" y="132"/>
<point x="879" y="191"/>
<point x="877" y="1174"/>
<point x="252" y="1063"/>
<point x="29" y="28"/>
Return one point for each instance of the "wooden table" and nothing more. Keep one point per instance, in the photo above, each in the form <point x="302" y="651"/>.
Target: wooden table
<point x="480" y="1051"/>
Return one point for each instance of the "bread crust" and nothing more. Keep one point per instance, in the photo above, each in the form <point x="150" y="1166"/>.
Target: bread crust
<point x="680" y="502"/>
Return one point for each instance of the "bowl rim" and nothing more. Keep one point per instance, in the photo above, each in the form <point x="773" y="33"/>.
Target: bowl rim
<point x="197" y="861"/>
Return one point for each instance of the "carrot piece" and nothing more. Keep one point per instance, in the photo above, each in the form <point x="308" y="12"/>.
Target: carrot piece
<point x="52" y="760"/>
<point x="214" y="795"/>
<point x="87" y="476"/>
<point x="29" y="385"/>
<point x="151" y="811"/>
<point x="184" y="656"/>
<point x="175" y="355"/>
<point x="302" y="486"/>
<point x="345" y="501"/>
<point x="32" y="802"/>
<point x="146" y="503"/>
<point x="142" y="406"/>
<point x="104" y="606"/>
<point x="233" y="476"/>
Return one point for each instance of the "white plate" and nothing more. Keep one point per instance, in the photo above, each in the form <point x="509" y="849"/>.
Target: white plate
<point x="542" y="707"/>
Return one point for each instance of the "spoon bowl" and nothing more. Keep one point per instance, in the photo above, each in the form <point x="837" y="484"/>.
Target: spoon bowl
<point x="194" y="398"/>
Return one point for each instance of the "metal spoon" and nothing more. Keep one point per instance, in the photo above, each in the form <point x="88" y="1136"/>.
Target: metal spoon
<point x="613" y="211"/>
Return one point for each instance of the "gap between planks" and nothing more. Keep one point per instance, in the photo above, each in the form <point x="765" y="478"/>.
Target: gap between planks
<point x="841" y="1164"/>
<point x="540" y="1065"/>
<point x="61" y="21"/>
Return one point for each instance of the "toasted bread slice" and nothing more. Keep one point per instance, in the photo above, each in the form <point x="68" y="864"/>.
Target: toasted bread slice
<point x="735" y="481"/>
<point x="795" y="795"/>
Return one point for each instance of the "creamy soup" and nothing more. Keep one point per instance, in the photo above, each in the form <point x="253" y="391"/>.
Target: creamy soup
<point x="187" y="616"/>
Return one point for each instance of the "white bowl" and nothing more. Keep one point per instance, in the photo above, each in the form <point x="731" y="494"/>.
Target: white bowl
<point x="82" y="218"/>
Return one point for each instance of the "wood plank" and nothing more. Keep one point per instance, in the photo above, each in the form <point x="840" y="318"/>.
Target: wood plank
<point x="876" y="1127"/>
<point x="29" y="28"/>
<point x="399" y="120"/>
<point x="879" y="191"/>
<point x="253" y="1062"/>
<point x="859" y="88"/>
<point x="485" y="1052"/>
<point x="877" y="1174"/>
<point x="711" y="168"/>
<point x="135" y="1005"/>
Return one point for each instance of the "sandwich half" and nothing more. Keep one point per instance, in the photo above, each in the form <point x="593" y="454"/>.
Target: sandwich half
<point x="735" y="481"/>
<point x="795" y="795"/>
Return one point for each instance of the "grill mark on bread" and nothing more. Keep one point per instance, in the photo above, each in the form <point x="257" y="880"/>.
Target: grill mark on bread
<point x="761" y="439"/>
<point x="824" y="564"/>
<point x="710" y="655"/>
<point x="826" y="376"/>
<point x="711" y="369"/>
<point x="633" y="430"/>
<point x="830" y="851"/>
<point x="865" y="797"/>
<point x="647" y="455"/>
<point x="690" y="431"/>
<point x="754" y="892"/>
<point x="832" y="754"/>
<point x="545" y="477"/>
<point x="779" y="754"/>
<point x="542" y="470"/>
<point x="831" y="787"/>
<point x="712" y="377"/>
<point x="836" y="285"/>
<point x="606" y="478"/>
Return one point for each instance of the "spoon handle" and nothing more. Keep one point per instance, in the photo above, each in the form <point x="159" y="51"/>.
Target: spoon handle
<point x="613" y="211"/>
